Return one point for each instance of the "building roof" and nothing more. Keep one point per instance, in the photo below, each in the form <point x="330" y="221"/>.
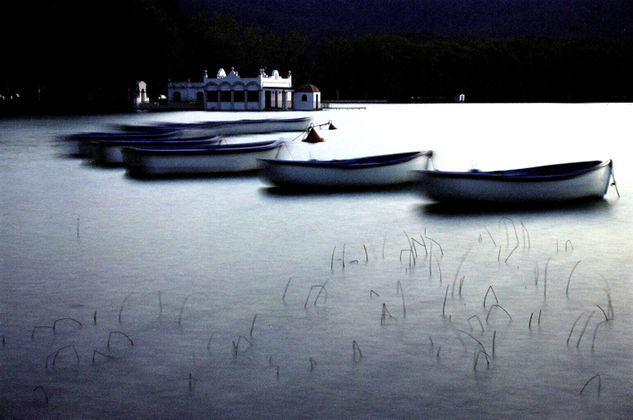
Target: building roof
<point x="307" y="88"/>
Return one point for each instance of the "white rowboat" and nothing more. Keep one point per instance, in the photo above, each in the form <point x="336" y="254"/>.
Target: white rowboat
<point x="208" y="160"/>
<point x="540" y="184"/>
<point x="110" y="152"/>
<point x="370" y="171"/>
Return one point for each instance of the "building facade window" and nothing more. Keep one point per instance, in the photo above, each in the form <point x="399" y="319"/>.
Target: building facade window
<point x="238" y="96"/>
<point x="177" y="97"/>
<point x="225" y="96"/>
<point x="304" y="98"/>
<point x="252" y="96"/>
<point x="212" y="96"/>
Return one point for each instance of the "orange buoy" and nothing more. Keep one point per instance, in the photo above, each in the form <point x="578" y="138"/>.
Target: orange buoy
<point x="313" y="137"/>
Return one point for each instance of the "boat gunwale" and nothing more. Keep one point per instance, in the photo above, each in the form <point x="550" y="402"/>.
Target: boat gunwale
<point x="520" y="175"/>
<point x="158" y="142"/>
<point x="354" y="163"/>
<point x="205" y="150"/>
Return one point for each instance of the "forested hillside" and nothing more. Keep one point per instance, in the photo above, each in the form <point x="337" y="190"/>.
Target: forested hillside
<point x="77" y="56"/>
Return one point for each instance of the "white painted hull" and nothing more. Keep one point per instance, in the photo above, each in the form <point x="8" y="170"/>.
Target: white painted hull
<point x="341" y="174"/>
<point x="111" y="153"/>
<point x="185" y="163"/>
<point x="464" y="186"/>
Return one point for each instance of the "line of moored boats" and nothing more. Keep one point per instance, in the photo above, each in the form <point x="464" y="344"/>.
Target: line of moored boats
<point x="194" y="149"/>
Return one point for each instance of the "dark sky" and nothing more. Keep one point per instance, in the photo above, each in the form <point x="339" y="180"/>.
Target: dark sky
<point x="450" y="18"/>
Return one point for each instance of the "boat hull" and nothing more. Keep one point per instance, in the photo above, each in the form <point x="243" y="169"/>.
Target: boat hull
<point x="552" y="183"/>
<point x="372" y="171"/>
<point x="221" y="159"/>
<point x="110" y="152"/>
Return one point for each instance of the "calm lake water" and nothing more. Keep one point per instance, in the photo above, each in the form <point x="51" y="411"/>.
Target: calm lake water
<point x="223" y="298"/>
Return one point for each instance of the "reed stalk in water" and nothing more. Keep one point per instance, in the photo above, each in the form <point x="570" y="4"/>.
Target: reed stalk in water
<point x="481" y="325"/>
<point x="56" y="353"/>
<point x="272" y="365"/>
<point x="283" y="297"/>
<point x="606" y="317"/>
<point x="65" y="319"/>
<point x="444" y="304"/>
<point x="500" y="307"/>
<point x="572" y="327"/>
<point x="433" y="241"/>
<point x="357" y="354"/>
<point x="252" y="325"/>
<point x="569" y="278"/>
<point x="38" y="327"/>
<point x="182" y="307"/>
<point x="236" y="344"/>
<point x="43" y="391"/>
<point x="584" y="328"/>
<point x="595" y="332"/>
<point x="119" y="333"/>
<point x="209" y="342"/>
<point x="122" y="304"/>
<point x="321" y="288"/>
<point x="478" y="353"/>
<point x="490" y="289"/>
<point x="400" y="290"/>
<point x="97" y="352"/>
<point x="385" y="313"/>
<point x="596" y="376"/>
<point x="343" y="259"/>
<point x="331" y="260"/>
<point x="491" y="238"/>
<point x="525" y="233"/>
<point x="461" y="284"/>
<point x="570" y="245"/>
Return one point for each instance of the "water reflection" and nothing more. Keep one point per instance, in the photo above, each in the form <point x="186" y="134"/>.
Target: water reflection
<point x="465" y="209"/>
<point x="316" y="191"/>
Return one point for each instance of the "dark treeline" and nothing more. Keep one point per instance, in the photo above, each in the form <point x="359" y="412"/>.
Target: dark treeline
<point x="78" y="56"/>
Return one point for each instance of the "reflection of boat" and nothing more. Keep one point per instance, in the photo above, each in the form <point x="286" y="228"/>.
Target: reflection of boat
<point x="551" y="183"/>
<point x="109" y="152"/>
<point x="370" y="171"/>
<point x="214" y="159"/>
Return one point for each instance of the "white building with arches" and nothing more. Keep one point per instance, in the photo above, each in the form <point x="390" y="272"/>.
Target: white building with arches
<point x="230" y="92"/>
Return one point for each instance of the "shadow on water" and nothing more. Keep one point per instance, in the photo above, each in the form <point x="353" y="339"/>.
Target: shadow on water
<point x="329" y="191"/>
<point x="185" y="176"/>
<point x="483" y="209"/>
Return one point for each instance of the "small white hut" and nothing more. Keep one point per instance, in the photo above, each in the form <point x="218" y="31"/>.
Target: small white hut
<point x="141" y="93"/>
<point x="306" y="98"/>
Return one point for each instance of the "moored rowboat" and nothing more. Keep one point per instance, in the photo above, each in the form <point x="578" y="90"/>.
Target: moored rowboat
<point x="550" y="183"/>
<point x="370" y="171"/>
<point x="81" y="144"/>
<point x="110" y="152"/>
<point x="208" y="160"/>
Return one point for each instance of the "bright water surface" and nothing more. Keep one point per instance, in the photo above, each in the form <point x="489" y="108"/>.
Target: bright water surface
<point x="213" y="280"/>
